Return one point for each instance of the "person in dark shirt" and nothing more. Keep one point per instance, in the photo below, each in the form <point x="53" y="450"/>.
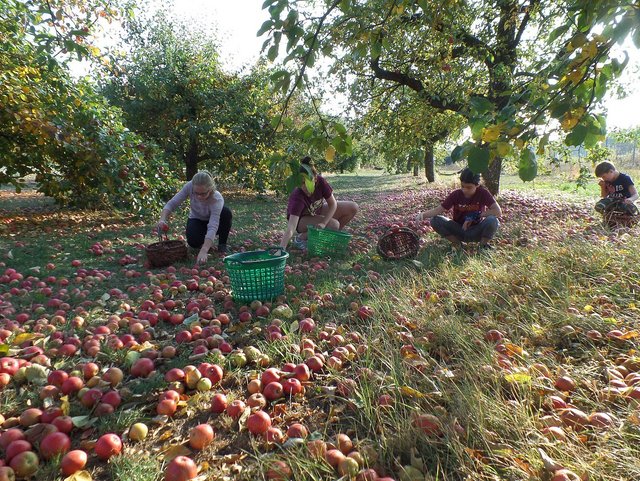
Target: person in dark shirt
<point x="313" y="203"/>
<point x="475" y="213"/>
<point x="615" y="188"/>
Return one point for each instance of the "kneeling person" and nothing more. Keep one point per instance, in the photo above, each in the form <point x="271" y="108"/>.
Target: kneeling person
<point x="475" y="213"/>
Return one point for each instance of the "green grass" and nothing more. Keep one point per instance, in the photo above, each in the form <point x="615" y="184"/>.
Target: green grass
<point x="573" y="276"/>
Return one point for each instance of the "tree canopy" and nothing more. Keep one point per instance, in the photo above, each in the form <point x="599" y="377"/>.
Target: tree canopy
<point x="516" y="70"/>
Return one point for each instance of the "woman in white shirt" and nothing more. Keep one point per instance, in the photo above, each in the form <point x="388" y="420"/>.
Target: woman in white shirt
<point x="208" y="216"/>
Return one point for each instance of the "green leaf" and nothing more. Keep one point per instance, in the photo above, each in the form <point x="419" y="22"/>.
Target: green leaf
<point x="293" y="181"/>
<point x="272" y="53"/>
<point x="376" y="49"/>
<point x="83" y="421"/>
<point x="527" y="166"/>
<point x="543" y="143"/>
<point x="478" y="159"/>
<point x="4" y="349"/>
<point x="481" y="104"/>
<point x="457" y="154"/>
<point x="636" y="38"/>
<point x="265" y="26"/>
<point x="560" y="109"/>
<point x="476" y="128"/>
<point x="577" y="135"/>
<point x="341" y="129"/>
<point x="562" y="29"/>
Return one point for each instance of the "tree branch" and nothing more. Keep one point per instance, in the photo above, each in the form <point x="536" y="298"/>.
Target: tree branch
<point x="524" y="23"/>
<point x="305" y="59"/>
<point x="413" y="83"/>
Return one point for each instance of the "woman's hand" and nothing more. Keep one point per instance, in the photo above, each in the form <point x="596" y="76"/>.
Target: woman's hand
<point x="467" y="224"/>
<point x="162" y="226"/>
<point x="202" y="257"/>
<point x="321" y="225"/>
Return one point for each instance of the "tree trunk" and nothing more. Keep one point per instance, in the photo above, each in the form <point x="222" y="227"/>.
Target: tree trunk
<point x="191" y="159"/>
<point x="492" y="176"/>
<point x="416" y="169"/>
<point x="429" y="163"/>
<point x="408" y="169"/>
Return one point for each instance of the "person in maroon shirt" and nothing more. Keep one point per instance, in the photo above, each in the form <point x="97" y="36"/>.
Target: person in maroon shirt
<point x="475" y="213"/>
<point x="313" y="203"/>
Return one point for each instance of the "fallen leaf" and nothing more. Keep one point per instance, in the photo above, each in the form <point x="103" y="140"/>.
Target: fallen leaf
<point x="518" y="378"/>
<point x="174" y="450"/>
<point x="409" y="391"/>
<point x="65" y="406"/>
<point x="79" y="476"/>
<point x="24" y="337"/>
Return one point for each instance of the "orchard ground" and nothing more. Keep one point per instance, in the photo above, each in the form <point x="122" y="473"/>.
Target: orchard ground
<point x="510" y="365"/>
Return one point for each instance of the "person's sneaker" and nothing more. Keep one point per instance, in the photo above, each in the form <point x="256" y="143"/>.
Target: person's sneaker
<point x="222" y="248"/>
<point x="485" y="248"/>
<point x="299" y="243"/>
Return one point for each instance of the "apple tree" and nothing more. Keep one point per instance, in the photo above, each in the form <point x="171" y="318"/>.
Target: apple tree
<point x="175" y="92"/>
<point x="59" y="129"/>
<point x="516" y="70"/>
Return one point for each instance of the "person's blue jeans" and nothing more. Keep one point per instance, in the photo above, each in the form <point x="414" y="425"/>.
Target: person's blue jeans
<point x="484" y="230"/>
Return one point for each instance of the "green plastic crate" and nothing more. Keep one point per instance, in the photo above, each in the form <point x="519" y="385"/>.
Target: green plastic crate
<point x="324" y="242"/>
<point x="256" y="275"/>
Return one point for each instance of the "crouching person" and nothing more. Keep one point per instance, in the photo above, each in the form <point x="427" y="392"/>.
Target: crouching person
<point x="475" y="214"/>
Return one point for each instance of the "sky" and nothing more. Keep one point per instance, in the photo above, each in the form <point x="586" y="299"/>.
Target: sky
<point x="236" y="23"/>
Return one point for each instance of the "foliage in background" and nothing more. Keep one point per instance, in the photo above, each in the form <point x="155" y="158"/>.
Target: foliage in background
<point x="508" y="67"/>
<point x="61" y="130"/>
<point x="173" y="90"/>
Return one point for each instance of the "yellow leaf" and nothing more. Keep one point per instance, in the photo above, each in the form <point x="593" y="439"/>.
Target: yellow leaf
<point x="330" y="153"/>
<point x="65" y="406"/>
<point x="491" y="133"/>
<point x="629" y="335"/>
<point x="518" y="378"/>
<point x="24" y="337"/>
<point x="175" y="450"/>
<point x="513" y="349"/>
<point x="588" y="308"/>
<point x="409" y="391"/>
<point x="503" y="149"/>
<point x="80" y="476"/>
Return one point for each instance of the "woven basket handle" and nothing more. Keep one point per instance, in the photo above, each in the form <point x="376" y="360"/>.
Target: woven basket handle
<point x="162" y="236"/>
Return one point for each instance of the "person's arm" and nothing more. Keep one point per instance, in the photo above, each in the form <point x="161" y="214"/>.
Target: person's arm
<point x="333" y="206"/>
<point x="212" y="228"/>
<point x="289" y="231"/>
<point x="634" y="194"/>
<point x="494" y="210"/>
<point x="603" y="188"/>
<point x="172" y="205"/>
<point x="427" y="214"/>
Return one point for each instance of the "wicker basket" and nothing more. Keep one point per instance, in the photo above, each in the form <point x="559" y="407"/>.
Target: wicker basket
<point x="256" y="275"/>
<point x="165" y="252"/>
<point x="398" y="243"/>
<point x="324" y="242"/>
<point x="618" y="214"/>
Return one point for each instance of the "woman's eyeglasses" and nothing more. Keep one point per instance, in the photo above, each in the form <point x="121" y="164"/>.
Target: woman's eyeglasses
<point x="202" y="194"/>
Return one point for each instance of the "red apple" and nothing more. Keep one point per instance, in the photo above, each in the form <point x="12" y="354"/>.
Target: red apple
<point x="201" y="436"/>
<point x="218" y="403"/>
<point x="108" y="445"/>
<point x="25" y="464"/>
<point x="258" y="422"/>
<point x="54" y="444"/>
<point x="181" y="468"/>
